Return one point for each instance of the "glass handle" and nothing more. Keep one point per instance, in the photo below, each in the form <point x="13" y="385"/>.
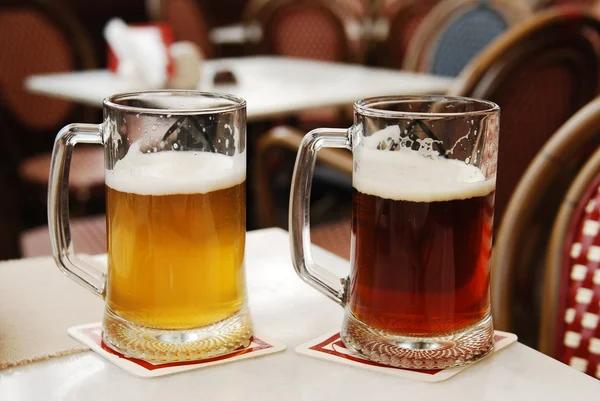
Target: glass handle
<point x="58" y="207"/>
<point x="315" y="275"/>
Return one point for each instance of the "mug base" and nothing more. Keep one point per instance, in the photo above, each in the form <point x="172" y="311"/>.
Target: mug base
<point x="409" y="352"/>
<point x="156" y="345"/>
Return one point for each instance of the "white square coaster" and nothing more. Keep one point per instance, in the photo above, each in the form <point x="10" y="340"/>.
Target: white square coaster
<point x="91" y="335"/>
<point x="331" y="348"/>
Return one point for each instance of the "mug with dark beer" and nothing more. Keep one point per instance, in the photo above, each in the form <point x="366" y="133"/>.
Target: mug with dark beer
<point x="175" y="172"/>
<point x="424" y="175"/>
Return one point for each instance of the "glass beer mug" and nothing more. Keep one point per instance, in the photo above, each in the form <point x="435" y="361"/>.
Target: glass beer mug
<point x="175" y="166"/>
<point x="424" y="176"/>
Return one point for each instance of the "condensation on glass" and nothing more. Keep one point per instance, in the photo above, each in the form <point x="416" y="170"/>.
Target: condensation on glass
<point x="175" y="165"/>
<point x="424" y="176"/>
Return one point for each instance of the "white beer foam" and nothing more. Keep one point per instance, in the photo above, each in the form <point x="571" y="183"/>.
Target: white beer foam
<point x="175" y="172"/>
<point x="410" y="176"/>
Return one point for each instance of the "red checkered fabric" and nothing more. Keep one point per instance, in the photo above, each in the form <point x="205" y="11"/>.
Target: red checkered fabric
<point x="579" y="315"/>
<point x="307" y="31"/>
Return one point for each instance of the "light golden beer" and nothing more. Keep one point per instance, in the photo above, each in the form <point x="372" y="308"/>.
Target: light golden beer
<point x="176" y="235"/>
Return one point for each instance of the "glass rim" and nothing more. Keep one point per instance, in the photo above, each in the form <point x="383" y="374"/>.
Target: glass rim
<point x="237" y="103"/>
<point x="367" y="106"/>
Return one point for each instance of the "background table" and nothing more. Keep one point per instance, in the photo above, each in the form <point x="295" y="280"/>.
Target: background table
<point x="288" y="310"/>
<point x="272" y="86"/>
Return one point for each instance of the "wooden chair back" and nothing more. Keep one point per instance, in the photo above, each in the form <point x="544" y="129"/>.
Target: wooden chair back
<point x="522" y="239"/>
<point x="559" y="269"/>
<point x="540" y="73"/>
<point x="316" y="29"/>
<point x="39" y="37"/>
<point x="394" y="30"/>
<point x="278" y="143"/>
<point x="187" y="19"/>
<point x="455" y="31"/>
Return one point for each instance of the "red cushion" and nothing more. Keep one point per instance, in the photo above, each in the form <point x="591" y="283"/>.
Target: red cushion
<point x="580" y="310"/>
<point x="333" y="237"/>
<point x="89" y="236"/>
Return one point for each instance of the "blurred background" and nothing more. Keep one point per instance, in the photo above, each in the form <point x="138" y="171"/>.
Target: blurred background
<point x="538" y="59"/>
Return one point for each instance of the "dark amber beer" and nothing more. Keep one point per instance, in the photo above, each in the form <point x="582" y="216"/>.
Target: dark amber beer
<point x="422" y="231"/>
<point x="424" y="176"/>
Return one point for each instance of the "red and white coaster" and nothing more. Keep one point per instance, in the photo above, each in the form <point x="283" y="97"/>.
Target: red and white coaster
<point x="91" y="335"/>
<point x="331" y="348"/>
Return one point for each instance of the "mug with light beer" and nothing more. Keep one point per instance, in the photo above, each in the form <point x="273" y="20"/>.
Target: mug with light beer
<point x="175" y="174"/>
<point x="423" y="177"/>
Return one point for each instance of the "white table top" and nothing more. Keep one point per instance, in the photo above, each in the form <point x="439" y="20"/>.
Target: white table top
<point x="286" y="309"/>
<point x="272" y="86"/>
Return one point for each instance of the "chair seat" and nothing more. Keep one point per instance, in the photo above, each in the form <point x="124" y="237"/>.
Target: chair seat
<point x="88" y="233"/>
<point x="319" y="116"/>
<point x="87" y="168"/>
<point x="333" y="237"/>
<point x="89" y="236"/>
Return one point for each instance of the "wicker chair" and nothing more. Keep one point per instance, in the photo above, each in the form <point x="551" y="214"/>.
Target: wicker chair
<point x="38" y="37"/>
<point x="394" y="28"/>
<point x="540" y="73"/>
<point x="187" y="20"/>
<point x="315" y="29"/>
<point x="570" y="329"/>
<point x="522" y="240"/>
<point x="88" y="233"/>
<point x="326" y="30"/>
<point x="330" y="225"/>
<point x="455" y="31"/>
<point x="334" y="237"/>
<point x="41" y="37"/>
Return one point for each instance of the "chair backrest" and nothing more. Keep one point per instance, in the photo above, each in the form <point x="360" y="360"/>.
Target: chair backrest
<point x="188" y="22"/>
<point x="395" y="28"/>
<point x="316" y="29"/>
<point x="570" y="312"/>
<point x="455" y="31"/>
<point x="271" y="148"/>
<point x="38" y="37"/>
<point x="540" y="73"/>
<point x="523" y="237"/>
